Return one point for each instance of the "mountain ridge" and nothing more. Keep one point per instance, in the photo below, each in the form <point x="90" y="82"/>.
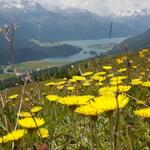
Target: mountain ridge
<point x="134" y="43"/>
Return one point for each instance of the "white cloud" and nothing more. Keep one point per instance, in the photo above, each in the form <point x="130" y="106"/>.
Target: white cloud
<point x="101" y="6"/>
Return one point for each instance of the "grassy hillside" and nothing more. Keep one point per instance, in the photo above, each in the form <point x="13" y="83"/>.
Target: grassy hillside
<point x="134" y="43"/>
<point x="101" y="103"/>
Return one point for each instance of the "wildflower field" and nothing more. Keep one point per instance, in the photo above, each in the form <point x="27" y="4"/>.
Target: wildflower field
<point x="106" y="107"/>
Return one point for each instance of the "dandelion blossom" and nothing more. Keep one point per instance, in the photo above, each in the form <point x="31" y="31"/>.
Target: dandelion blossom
<point x="13" y="136"/>
<point x="75" y="100"/>
<point x="146" y="84"/>
<point x="36" y="109"/>
<point x="12" y="97"/>
<point x="145" y="112"/>
<point x="136" y="81"/>
<point x="52" y="97"/>
<point x="109" y="102"/>
<point x="88" y="110"/>
<point x="25" y="114"/>
<point x="31" y="122"/>
<point x="107" y="67"/>
<point x="42" y="132"/>
<point x="87" y="74"/>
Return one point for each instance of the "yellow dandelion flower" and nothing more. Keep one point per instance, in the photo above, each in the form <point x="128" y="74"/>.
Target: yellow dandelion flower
<point x="122" y="88"/>
<point x="103" y="104"/>
<point x="52" y="97"/>
<point x="109" y="102"/>
<point x="26" y="99"/>
<point x="86" y="83"/>
<point x="87" y="74"/>
<point x="31" y="122"/>
<point x="60" y="87"/>
<point x="116" y="82"/>
<point x="145" y="112"/>
<point x="110" y="75"/>
<point x="99" y="83"/>
<point x="25" y="114"/>
<point x="146" y="84"/>
<point x="36" y="109"/>
<point x="12" y="97"/>
<point x="1" y="140"/>
<point x="61" y="83"/>
<point x="141" y="54"/>
<point x="107" y="67"/>
<point x="70" y="88"/>
<point x="75" y="100"/>
<point x="122" y="70"/>
<point x="107" y="91"/>
<point x="136" y="81"/>
<point x="95" y="77"/>
<point x="98" y="78"/>
<point x="42" y="132"/>
<point x="119" y="60"/>
<point x="113" y="89"/>
<point x="13" y="136"/>
<point x="79" y="78"/>
<point x="72" y="81"/>
<point x="100" y="73"/>
<point x="88" y="110"/>
<point x="118" y="78"/>
<point x="134" y="67"/>
<point x="51" y="84"/>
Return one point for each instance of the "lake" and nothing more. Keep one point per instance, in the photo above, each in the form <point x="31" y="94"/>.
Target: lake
<point x="91" y="48"/>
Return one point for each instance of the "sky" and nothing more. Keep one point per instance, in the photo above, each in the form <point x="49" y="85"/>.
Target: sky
<point x="101" y="7"/>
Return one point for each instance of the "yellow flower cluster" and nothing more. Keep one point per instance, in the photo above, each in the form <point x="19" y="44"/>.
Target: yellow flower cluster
<point x="142" y="53"/>
<point x="31" y="112"/>
<point x="121" y="60"/>
<point x="103" y="104"/>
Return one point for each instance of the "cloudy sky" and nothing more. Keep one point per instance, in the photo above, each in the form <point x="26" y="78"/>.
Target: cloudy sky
<point x="101" y="6"/>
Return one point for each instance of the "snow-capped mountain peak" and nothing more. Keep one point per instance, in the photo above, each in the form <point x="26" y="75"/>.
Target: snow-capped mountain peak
<point x="20" y="4"/>
<point x="128" y="13"/>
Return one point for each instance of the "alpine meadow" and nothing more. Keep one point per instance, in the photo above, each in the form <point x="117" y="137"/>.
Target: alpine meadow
<point x="74" y="75"/>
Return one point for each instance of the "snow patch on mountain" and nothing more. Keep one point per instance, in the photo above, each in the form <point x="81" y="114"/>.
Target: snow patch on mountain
<point x="128" y="13"/>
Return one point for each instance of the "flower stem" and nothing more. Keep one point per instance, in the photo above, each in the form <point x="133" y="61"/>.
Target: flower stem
<point x="111" y="130"/>
<point x="94" y="137"/>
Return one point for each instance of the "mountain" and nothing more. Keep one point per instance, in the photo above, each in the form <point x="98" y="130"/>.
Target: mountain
<point x="37" y="22"/>
<point x="137" y="19"/>
<point x="134" y="43"/>
<point x="131" y="13"/>
<point x="48" y="24"/>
